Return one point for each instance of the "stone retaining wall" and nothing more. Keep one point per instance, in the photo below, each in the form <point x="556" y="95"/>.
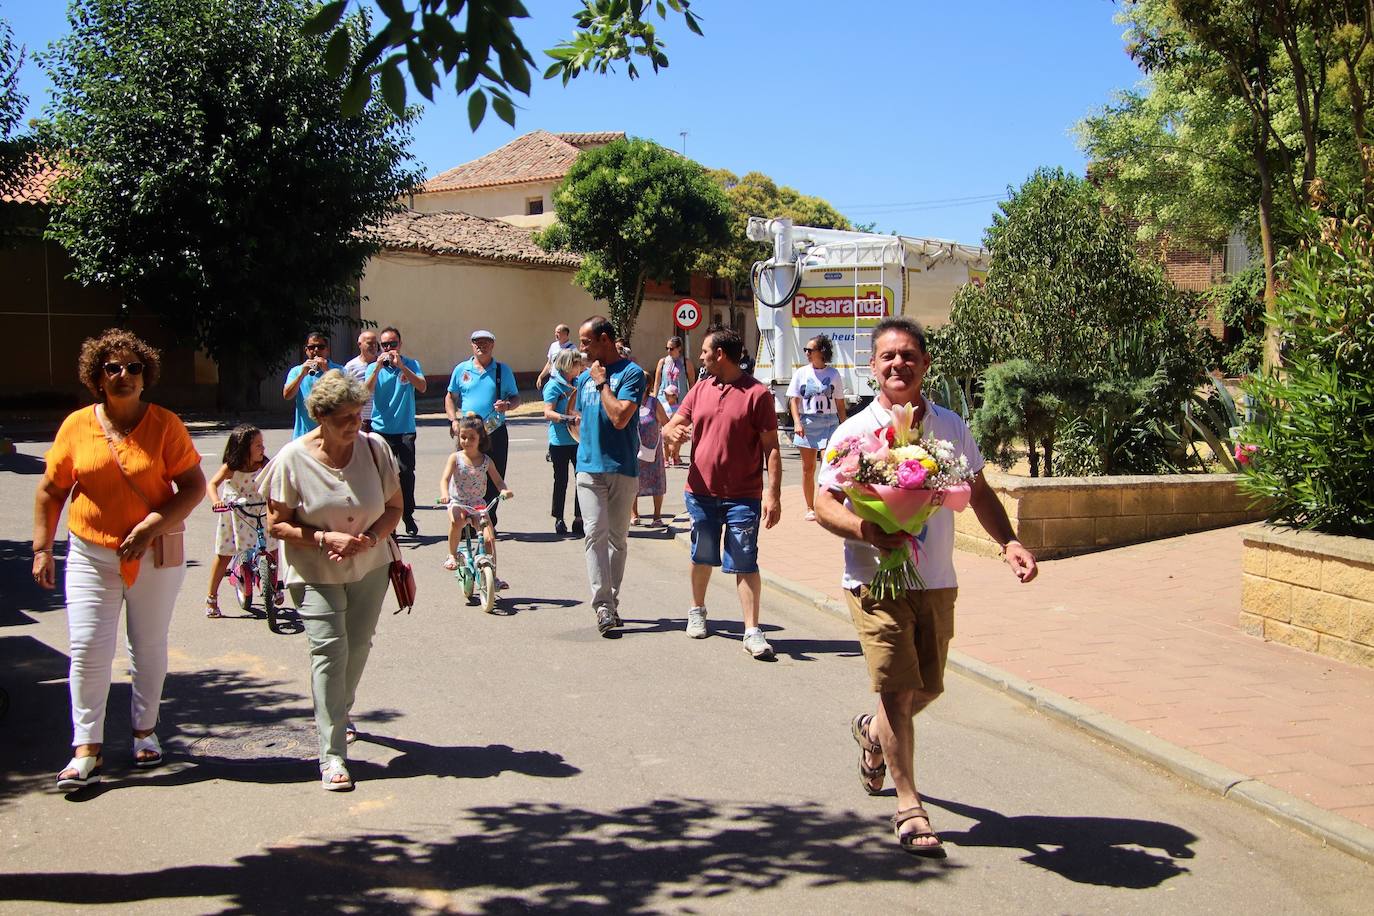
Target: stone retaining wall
<point x="1314" y="591"/>
<point x="1063" y="516"/>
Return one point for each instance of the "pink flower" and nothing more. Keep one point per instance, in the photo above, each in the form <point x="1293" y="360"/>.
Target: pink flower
<point x="875" y="446"/>
<point x="1243" y="453"/>
<point x="847" y="466"/>
<point x="910" y="475"/>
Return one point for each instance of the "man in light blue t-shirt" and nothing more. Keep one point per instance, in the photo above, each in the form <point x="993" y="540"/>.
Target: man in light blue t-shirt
<point x="483" y="386"/>
<point x="393" y="381"/>
<point x="301" y="379"/>
<point x="608" y="396"/>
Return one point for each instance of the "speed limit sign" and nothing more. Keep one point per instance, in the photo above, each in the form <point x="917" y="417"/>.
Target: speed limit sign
<point x="687" y="314"/>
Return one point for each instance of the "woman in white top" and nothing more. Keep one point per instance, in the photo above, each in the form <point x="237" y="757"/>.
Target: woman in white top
<point x="817" y="398"/>
<point x="333" y="496"/>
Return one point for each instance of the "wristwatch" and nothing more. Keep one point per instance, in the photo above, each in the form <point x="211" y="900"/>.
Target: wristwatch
<point x="600" y="385"/>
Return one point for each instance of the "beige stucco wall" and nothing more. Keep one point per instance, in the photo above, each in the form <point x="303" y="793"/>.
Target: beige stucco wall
<point x="504" y="203"/>
<point x="437" y="302"/>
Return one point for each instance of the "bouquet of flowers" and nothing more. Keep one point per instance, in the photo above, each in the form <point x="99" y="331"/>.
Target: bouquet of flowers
<point x="898" y="480"/>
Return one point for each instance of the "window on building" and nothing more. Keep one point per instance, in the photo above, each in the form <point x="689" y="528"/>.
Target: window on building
<point x="534" y="206"/>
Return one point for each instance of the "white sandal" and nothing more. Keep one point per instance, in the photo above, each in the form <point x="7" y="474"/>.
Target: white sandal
<point x="147" y="743"/>
<point x="332" y="769"/>
<point x="87" y="773"/>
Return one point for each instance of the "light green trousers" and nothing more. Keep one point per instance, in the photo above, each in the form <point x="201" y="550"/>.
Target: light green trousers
<point x="339" y="622"/>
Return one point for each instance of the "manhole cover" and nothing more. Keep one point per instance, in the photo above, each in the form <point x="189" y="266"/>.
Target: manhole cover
<point x="261" y="745"/>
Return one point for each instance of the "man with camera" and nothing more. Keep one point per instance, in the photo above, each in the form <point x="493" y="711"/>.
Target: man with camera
<point x="302" y="378"/>
<point x="393" y="381"/>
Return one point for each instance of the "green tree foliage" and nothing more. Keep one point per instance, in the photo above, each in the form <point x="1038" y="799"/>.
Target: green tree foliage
<point x="635" y="212"/>
<point x="1239" y="300"/>
<point x="211" y="175"/>
<point x="485" y="56"/>
<point x="1065" y="286"/>
<point x="1315" y="426"/>
<point x="758" y="195"/>
<point x="1024" y="401"/>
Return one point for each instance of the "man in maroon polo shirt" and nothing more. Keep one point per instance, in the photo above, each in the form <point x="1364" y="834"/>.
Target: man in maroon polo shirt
<point x="734" y="433"/>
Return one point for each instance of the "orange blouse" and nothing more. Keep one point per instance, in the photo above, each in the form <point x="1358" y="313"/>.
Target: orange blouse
<point x="104" y="508"/>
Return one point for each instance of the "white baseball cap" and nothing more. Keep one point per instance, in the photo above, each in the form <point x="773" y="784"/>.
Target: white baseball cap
<point x="478" y="335"/>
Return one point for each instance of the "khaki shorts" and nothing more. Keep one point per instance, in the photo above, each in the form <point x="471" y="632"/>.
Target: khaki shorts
<point x="906" y="639"/>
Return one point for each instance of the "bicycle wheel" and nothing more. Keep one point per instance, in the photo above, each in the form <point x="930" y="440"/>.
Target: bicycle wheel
<point x="243" y="583"/>
<point x="487" y="595"/>
<point x="269" y="591"/>
<point x="464" y="575"/>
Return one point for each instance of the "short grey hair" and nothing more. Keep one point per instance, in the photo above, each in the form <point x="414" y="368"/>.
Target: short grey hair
<point x="566" y="359"/>
<point x="332" y="391"/>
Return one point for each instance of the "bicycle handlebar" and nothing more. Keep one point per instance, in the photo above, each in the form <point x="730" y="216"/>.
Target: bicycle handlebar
<point x="241" y="503"/>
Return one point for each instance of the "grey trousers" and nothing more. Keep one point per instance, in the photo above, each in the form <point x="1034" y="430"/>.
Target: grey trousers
<point x="606" y="501"/>
<point x="339" y="622"/>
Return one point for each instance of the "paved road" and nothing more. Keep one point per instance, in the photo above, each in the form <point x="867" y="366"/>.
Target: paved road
<point x="519" y="760"/>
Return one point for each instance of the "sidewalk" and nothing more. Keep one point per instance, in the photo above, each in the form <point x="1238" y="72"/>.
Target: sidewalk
<point x="1147" y="636"/>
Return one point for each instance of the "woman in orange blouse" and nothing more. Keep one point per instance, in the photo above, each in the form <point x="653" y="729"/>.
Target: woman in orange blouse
<point x="133" y="476"/>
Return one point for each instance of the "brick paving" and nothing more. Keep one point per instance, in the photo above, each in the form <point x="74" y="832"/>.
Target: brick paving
<point x="1149" y="635"/>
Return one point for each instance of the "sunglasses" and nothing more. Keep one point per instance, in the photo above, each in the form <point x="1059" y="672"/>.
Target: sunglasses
<point x="113" y="369"/>
<point x="317" y="346"/>
<point x="809" y="349"/>
<point x="390" y="344"/>
<point x="483" y="342"/>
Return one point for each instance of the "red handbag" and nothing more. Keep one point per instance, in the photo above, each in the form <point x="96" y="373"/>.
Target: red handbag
<point x="402" y="573"/>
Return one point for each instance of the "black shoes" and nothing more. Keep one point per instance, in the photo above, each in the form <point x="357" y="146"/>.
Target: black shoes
<point x="607" y="620"/>
<point x="412" y="529"/>
<point x="577" y="530"/>
<point x="560" y="529"/>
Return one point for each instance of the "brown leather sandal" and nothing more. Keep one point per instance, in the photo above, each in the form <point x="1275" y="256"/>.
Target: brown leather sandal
<point x="908" y="843"/>
<point x="858" y="727"/>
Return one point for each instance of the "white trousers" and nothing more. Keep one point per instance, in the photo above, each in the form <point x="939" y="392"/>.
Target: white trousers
<point x="95" y="594"/>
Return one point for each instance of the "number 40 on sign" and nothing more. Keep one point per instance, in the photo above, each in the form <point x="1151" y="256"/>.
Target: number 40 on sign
<point x="687" y="314"/>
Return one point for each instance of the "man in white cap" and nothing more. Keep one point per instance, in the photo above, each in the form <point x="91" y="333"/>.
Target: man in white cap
<point x="483" y="386"/>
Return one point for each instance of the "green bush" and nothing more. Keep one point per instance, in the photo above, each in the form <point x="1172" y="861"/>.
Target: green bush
<point x="1240" y="304"/>
<point x="1315" y="427"/>
<point x="1022" y="404"/>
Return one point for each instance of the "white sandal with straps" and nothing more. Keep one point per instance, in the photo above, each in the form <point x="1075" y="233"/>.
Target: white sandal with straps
<point x="147" y="743"/>
<point x="87" y="771"/>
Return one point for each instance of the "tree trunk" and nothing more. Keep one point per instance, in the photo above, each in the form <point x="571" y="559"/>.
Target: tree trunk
<point x="1047" y="445"/>
<point x="239" y="382"/>
<point x="1266" y="227"/>
<point x="1033" y="456"/>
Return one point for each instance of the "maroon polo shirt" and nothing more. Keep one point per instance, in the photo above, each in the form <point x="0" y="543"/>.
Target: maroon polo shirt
<point x="728" y="423"/>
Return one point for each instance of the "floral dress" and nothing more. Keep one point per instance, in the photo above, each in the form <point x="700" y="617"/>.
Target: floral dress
<point x="234" y="533"/>
<point x="468" y="484"/>
<point x="653" y="479"/>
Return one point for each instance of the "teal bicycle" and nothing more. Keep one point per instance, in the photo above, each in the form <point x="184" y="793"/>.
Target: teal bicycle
<point x="476" y="569"/>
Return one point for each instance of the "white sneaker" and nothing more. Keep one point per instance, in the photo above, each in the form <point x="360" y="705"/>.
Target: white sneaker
<point x="756" y="645"/>
<point x="696" y="623"/>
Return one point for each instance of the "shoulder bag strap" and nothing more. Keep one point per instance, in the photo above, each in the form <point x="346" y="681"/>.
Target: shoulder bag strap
<point x="390" y="538"/>
<point x="109" y="441"/>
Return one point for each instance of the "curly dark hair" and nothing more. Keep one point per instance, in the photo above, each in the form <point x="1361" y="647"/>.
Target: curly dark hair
<point x="825" y="346"/>
<point x="96" y="351"/>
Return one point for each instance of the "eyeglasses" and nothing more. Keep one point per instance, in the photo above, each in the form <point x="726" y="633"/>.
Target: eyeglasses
<point x="390" y="344"/>
<point x="113" y="369"/>
<point x="809" y="350"/>
<point x="317" y="346"/>
<point x="483" y="342"/>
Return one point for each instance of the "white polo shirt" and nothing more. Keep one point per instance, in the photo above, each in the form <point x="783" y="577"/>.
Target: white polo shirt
<point x="935" y="559"/>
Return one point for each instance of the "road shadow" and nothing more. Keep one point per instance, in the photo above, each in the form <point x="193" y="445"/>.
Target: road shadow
<point x="1105" y="851"/>
<point x="20" y="463"/>
<point x="21" y="593"/>
<point x="681" y="855"/>
<point x="509" y="607"/>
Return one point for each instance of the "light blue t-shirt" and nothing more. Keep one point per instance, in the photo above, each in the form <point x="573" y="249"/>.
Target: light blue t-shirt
<point x="605" y="449"/>
<point x="557" y="393"/>
<point x="303" y="422"/>
<point x="393" y="398"/>
<point x="478" y="390"/>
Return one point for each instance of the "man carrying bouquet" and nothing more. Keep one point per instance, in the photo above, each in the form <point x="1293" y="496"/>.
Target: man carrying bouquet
<point x="904" y="629"/>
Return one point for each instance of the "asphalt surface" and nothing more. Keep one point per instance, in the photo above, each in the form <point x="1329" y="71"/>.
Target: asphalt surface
<point x="519" y="760"/>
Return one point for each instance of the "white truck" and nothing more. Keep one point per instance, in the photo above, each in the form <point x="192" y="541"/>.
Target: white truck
<point x="826" y="281"/>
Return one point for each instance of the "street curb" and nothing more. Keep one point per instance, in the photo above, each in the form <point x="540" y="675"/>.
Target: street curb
<point x="1332" y="829"/>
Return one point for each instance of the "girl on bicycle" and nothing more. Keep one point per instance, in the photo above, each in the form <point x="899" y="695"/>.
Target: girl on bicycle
<point x="244" y="456"/>
<point x="464" y="484"/>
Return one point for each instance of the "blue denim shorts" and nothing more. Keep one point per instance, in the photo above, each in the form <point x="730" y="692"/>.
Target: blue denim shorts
<point x="737" y="519"/>
<point x="816" y="430"/>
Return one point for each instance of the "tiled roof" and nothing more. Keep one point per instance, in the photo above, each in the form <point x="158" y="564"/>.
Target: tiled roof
<point x="36" y="186"/>
<point x="463" y="234"/>
<point x="535" y="156"/>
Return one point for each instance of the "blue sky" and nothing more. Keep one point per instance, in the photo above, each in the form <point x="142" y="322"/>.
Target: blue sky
<point x="913" y="113"/>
